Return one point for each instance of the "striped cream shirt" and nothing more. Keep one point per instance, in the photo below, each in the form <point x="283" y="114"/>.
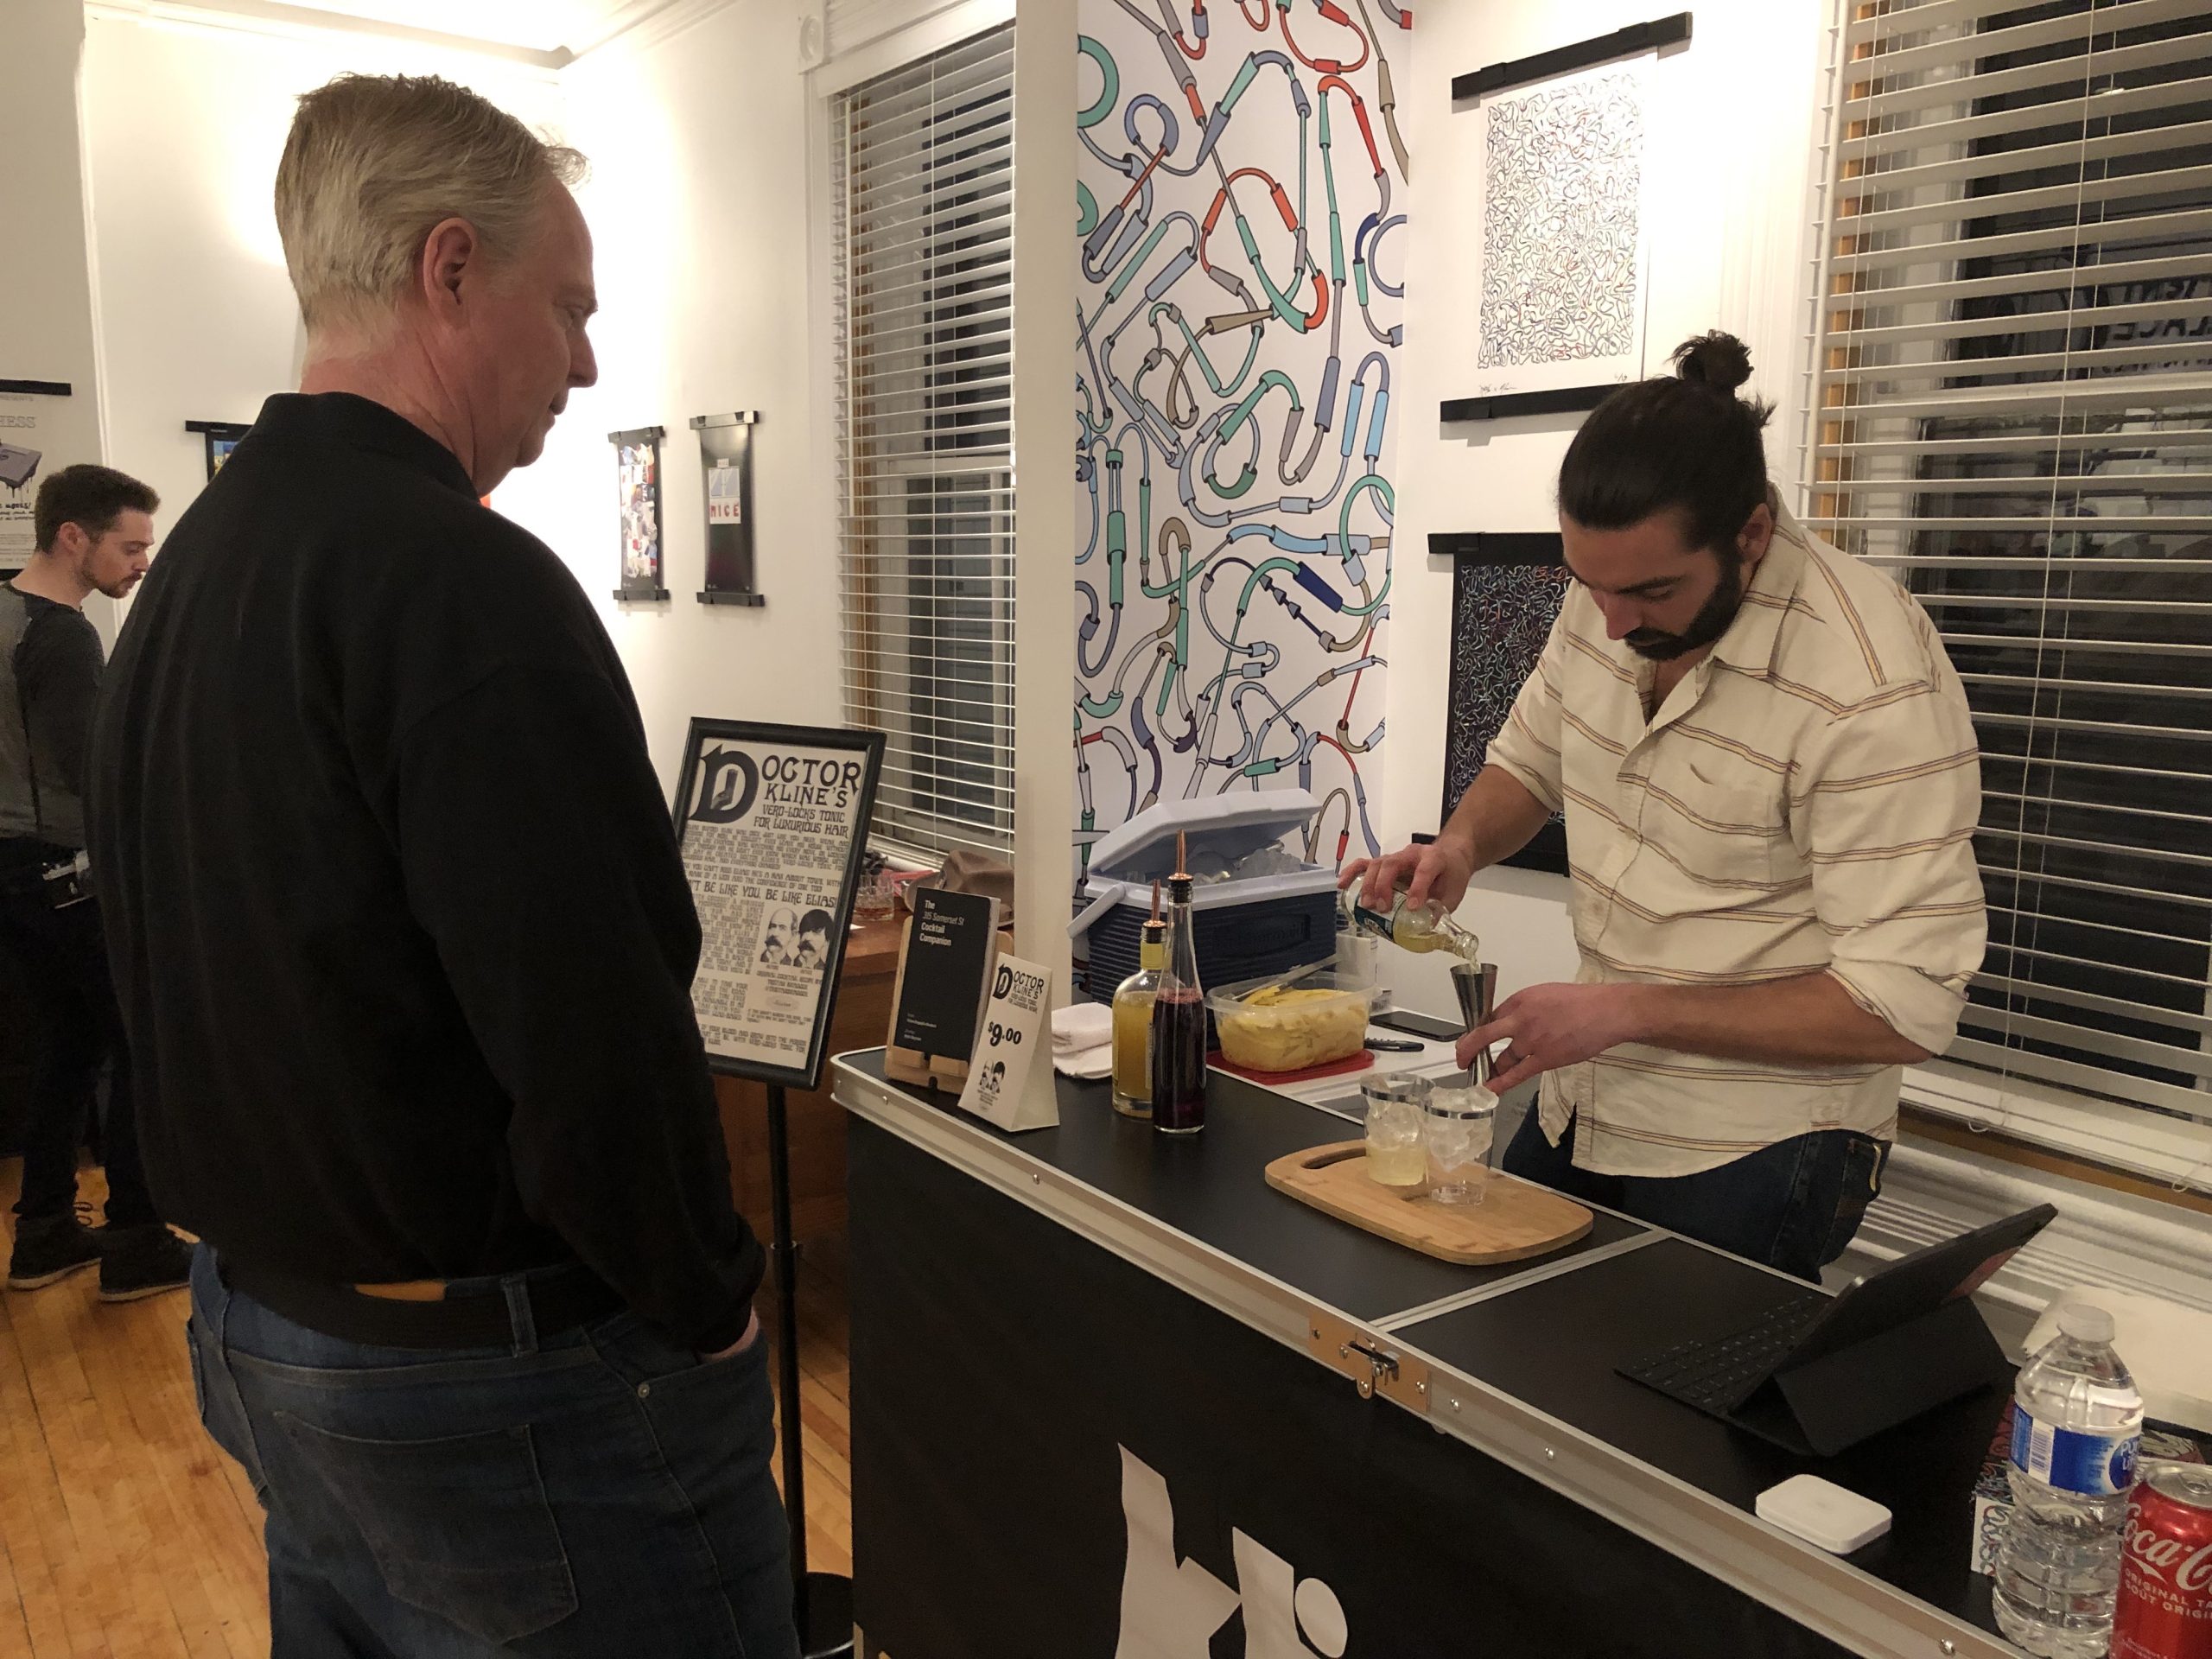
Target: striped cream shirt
<point x="1804" y="802"/>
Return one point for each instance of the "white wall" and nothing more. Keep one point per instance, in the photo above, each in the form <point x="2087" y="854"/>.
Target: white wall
<point x="1730" y="134"/>
<point x="697" y="204"/>
<point x="46" y="315"/>
<point x="183" y="126"/>
<point x="1045" y="367"/>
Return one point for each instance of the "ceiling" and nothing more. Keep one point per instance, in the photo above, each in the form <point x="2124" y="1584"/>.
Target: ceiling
<point x="555" y="29"/>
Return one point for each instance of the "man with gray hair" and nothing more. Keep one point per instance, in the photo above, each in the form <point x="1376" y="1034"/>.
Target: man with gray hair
<point x="405" y="949"/>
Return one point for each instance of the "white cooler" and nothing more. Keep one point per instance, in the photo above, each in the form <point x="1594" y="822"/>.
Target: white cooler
<point x="1247" y="927"/>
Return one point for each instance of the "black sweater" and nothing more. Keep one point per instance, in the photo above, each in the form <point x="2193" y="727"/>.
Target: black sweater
<point x="397" y="919"/>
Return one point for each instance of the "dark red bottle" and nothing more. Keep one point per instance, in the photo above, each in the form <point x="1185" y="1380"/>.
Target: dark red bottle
<point x="1179" y="1026"/>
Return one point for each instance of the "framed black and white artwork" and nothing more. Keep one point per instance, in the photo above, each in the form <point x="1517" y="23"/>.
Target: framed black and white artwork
<point x="772" y="824"/>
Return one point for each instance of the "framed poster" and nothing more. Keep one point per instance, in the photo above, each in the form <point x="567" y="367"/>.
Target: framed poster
<point x="636" y="493"/>
<point x="222" y="437"/>
<point x="772" y="822"/>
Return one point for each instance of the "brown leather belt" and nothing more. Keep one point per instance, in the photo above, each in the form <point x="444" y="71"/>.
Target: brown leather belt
<point x="412" y="1290"/>
<point x="422" y="1313"/>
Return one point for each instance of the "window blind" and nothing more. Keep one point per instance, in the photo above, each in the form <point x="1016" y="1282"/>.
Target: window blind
<point x="923" y="254"/>
<point x="2011" y="410"/>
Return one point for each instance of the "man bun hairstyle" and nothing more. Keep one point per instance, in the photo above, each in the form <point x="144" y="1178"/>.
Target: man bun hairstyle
<point x="373" y="162"/>
<point x="90" y="497"/>
<point x="1681" y="443"/>
<point x="1719" y="361"/>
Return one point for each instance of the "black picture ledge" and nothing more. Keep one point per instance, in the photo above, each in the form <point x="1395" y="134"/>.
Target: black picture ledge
<point x="724" y="596"/>
<point x="643" y="596"/>
<point x="1565" y="60"/>
<point x="1559" y="400"/>
<point x="37" y="388"/>
<point x="1497" y="546"/>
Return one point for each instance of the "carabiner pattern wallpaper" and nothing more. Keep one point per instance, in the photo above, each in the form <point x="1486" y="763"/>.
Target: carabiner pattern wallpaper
<point x="1239" y="199"/>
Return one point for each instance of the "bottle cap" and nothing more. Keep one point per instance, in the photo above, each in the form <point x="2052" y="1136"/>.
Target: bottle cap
<point x="2085" y="1323"/>
<point x="1154" y="932"/>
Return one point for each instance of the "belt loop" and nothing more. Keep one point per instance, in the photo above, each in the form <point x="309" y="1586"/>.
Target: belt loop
<point x="516" y="1286"/>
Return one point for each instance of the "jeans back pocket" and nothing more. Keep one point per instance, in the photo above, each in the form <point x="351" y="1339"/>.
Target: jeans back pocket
<point x="460" y="1526"/>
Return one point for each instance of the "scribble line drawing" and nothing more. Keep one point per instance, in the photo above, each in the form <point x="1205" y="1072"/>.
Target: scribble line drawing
<point x="1561" y="223"/>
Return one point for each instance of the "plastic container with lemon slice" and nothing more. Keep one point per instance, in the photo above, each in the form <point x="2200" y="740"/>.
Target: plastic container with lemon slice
<point x="1264" y="1026"/>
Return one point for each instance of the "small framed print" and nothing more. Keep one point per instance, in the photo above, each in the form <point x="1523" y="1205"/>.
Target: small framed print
<point x="222" y="437"/>
<point x="637" y="490"/>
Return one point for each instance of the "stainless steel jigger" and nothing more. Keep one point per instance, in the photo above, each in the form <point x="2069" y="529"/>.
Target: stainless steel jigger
<point x="1478" y="992"/>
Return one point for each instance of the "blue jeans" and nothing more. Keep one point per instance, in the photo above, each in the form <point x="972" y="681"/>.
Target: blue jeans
<point x="599" y="1494"/>
<point x="1794" y="1205"/>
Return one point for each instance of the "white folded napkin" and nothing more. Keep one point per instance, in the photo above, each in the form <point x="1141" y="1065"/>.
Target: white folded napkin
<point x="1082" y="1026"/>
<point x="1086" y="1062"/>
<point x="1082" y="1040"/>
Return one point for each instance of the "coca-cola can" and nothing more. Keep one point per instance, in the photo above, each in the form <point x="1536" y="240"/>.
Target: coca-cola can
<point x="2165" y="1575"/>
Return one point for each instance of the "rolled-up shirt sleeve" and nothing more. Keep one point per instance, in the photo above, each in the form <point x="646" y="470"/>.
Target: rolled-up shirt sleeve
<point x="1883" y="809"/>
<point x="1527" y="746"/>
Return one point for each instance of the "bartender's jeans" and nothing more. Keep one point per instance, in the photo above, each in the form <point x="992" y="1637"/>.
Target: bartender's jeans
<point x="65" y="968"/>
<point x="1794" y="1205"/>
<point x="599" y="1495"/>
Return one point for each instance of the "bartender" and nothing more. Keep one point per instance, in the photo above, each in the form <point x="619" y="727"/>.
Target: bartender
<point x="1770" y="782"/>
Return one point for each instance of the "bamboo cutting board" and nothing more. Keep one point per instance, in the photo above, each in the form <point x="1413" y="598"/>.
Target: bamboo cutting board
<point x="1514" y="1222"/>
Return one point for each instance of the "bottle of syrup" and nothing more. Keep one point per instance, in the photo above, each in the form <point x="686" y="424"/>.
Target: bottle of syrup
<point x="1178" y="1024"/>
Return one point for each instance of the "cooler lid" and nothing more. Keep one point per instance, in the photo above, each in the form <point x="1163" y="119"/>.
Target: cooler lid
<point x="1230" y="826"/>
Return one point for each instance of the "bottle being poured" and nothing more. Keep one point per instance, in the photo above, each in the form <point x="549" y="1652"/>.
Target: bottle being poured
<point x="1178" y="1018"/>
<point x="1419" y="928"/>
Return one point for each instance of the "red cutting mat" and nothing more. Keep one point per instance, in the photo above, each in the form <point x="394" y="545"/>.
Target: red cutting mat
<point x="1343" y="1068"/>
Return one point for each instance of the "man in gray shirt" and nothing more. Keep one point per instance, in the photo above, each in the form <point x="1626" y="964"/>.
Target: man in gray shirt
<point x="94" y="530"/>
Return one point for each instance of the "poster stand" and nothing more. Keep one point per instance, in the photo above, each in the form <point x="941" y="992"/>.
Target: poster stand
<point x="772" y="822"/>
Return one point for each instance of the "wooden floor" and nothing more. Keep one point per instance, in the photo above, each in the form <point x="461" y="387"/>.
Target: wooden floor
<point x="124" y="1533"/>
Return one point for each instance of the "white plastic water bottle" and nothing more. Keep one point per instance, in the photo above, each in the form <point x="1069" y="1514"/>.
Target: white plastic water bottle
<point x="2077" y="1419"/>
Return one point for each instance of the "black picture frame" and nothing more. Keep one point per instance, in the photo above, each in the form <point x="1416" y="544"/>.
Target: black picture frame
<point x="641" y="530"/>
<point x="221" y="437"/>
<point x="758" y="742"/>
<point x="1509" y="406"/>
<point x="726" y="498"/>
<point x="1651" y="36"/>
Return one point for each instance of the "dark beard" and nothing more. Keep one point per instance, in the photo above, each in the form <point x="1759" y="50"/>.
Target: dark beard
<point x="1708" y="625"/>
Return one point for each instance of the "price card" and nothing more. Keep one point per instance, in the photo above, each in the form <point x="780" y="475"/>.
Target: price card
<point x="1010" y="1076"/>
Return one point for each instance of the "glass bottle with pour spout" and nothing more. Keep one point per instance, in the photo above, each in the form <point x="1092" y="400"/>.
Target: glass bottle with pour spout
<point x="1179" y="1026"/>
<point x="1418" y="928"/>
<point x="1133" y="1005"/>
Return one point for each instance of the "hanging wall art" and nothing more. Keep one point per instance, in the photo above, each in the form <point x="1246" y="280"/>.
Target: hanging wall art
<point x="1505" y="599"/>
<point x="637" y="493"/>
<point x="1564" y="261"/>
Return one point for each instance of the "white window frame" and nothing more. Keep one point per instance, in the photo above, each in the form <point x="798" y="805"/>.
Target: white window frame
<point x="931" y="29"/>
